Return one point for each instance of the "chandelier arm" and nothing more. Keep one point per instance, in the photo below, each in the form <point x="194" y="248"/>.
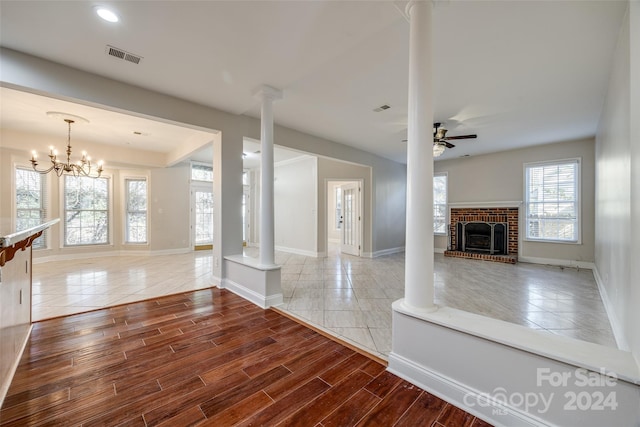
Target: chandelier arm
<point x="42" y="171"/>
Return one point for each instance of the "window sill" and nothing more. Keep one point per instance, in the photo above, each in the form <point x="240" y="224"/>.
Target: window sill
<point x="563" y="242"/>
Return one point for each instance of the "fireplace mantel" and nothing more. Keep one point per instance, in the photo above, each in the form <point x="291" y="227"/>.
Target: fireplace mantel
<point x="504" y="204"/>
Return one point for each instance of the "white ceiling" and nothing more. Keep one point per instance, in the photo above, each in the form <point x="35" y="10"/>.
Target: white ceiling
<point x="517" y="73"/>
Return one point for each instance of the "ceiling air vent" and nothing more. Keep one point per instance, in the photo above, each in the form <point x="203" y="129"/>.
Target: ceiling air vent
<point x="382" y="108"/>
<point x="123" y="54"/>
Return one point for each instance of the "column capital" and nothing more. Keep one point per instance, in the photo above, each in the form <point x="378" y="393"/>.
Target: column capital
<point x="268" y="92"/>
<point x="407" y="9"/>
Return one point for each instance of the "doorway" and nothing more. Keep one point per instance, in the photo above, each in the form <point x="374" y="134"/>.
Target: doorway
<point x="344" y="216"/>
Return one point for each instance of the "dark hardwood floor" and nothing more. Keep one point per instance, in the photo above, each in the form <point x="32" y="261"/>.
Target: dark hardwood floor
<point x="206" y="358"/>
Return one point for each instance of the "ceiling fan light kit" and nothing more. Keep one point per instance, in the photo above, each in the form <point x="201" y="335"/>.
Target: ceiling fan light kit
<point x="440" y="139"/>
<point x="438" y="149"/>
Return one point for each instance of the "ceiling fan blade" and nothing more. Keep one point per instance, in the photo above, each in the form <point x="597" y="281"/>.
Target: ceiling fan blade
<point x="448" y="144"/>
<point x="460" y="137"/>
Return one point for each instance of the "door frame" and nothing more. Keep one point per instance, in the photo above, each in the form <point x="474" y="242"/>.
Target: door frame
<point x="360" y="183"/>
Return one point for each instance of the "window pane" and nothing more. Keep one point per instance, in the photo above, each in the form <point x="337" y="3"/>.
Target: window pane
<point x="137" y="226"/>
<point x="201" y="173"/>
<point x="30" y="202"/>
<point x="440" y="204"/>
<point x="204" y="217"/>
<point x="86" y="210"/>
<point x="552" y="201"/>
<point x="136" y="217"/>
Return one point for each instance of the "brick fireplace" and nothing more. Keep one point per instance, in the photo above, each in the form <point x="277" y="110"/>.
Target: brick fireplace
<point x="490" y="215"/>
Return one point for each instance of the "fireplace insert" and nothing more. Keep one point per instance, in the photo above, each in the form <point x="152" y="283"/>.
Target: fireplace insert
<point x="482" y="237"/>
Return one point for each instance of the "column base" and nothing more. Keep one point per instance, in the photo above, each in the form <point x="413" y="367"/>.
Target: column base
<point x="257" y="283"/>
<point x="417" y="310"/>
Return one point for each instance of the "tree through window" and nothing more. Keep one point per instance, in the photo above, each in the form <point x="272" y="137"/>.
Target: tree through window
<point x="30" y="202"/>
<point x="86" y="211"/>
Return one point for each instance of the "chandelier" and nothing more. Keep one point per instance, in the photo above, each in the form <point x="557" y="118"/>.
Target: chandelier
<point x="80" y="168"/>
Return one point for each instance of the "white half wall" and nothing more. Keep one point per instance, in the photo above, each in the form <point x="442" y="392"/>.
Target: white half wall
<point x="511" y="375"/>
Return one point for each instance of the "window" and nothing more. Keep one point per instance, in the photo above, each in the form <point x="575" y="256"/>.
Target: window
<point x="440" y="203"/>
<point x="551" y="198"/>
<point x="30" y="202"/>
<point x="200" y="172"/>
<point x="136" y="205"/>
<point x="86" y="211"/>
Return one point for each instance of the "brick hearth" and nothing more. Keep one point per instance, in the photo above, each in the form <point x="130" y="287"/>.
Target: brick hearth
<point x="506" y="214"/>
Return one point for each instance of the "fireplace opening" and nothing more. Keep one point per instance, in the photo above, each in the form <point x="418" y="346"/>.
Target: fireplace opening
<point x="482" y="237"/>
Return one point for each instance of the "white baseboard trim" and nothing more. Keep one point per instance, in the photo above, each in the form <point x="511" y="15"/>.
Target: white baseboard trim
<point x="611" y="312"/>
<point x="216" y="281"/>
<point x="252" y="296"/>
<point x="114" y="253"/>
<point x="4" y="387"/>
<point x="587" y="265"/>
<point x="439" y="250"/>
<point x="297" y="251"/>
<point x="383" y="252"/>
<point x="459" y="394"/>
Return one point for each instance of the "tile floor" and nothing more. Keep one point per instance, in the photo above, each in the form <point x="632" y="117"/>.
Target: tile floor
<point x="75" y="286"/>
<point x="346" y="295"/>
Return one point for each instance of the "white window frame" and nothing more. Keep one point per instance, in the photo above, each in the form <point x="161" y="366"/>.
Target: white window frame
<point x="446" y="201"/>
<point x="125" y="204"/>
<point x="63" y="215"/>
<point x="577" y="179"/>
<point x="191" y="167"/>
<point x="45" y="192"/>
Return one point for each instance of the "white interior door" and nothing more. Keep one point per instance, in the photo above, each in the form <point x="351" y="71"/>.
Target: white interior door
<point x="202" y="218"/>
<point x="351" y="219"/>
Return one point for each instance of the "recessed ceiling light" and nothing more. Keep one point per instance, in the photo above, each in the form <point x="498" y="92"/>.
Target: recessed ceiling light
<point x="107" y="14"/>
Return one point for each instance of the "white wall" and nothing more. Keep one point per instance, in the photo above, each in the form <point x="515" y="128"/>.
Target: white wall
<point x="169" y="208"/>
<point x="385" y="196"/>
<point x="633" y="302"/>
<point x="617" y="249"/>
<point x="500" y="177"/>
<point x="301" y="212"/>
<point x="295" y="210"/>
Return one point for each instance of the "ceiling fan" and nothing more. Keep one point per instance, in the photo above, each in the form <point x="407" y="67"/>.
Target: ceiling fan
<point x="441" y="140"/>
